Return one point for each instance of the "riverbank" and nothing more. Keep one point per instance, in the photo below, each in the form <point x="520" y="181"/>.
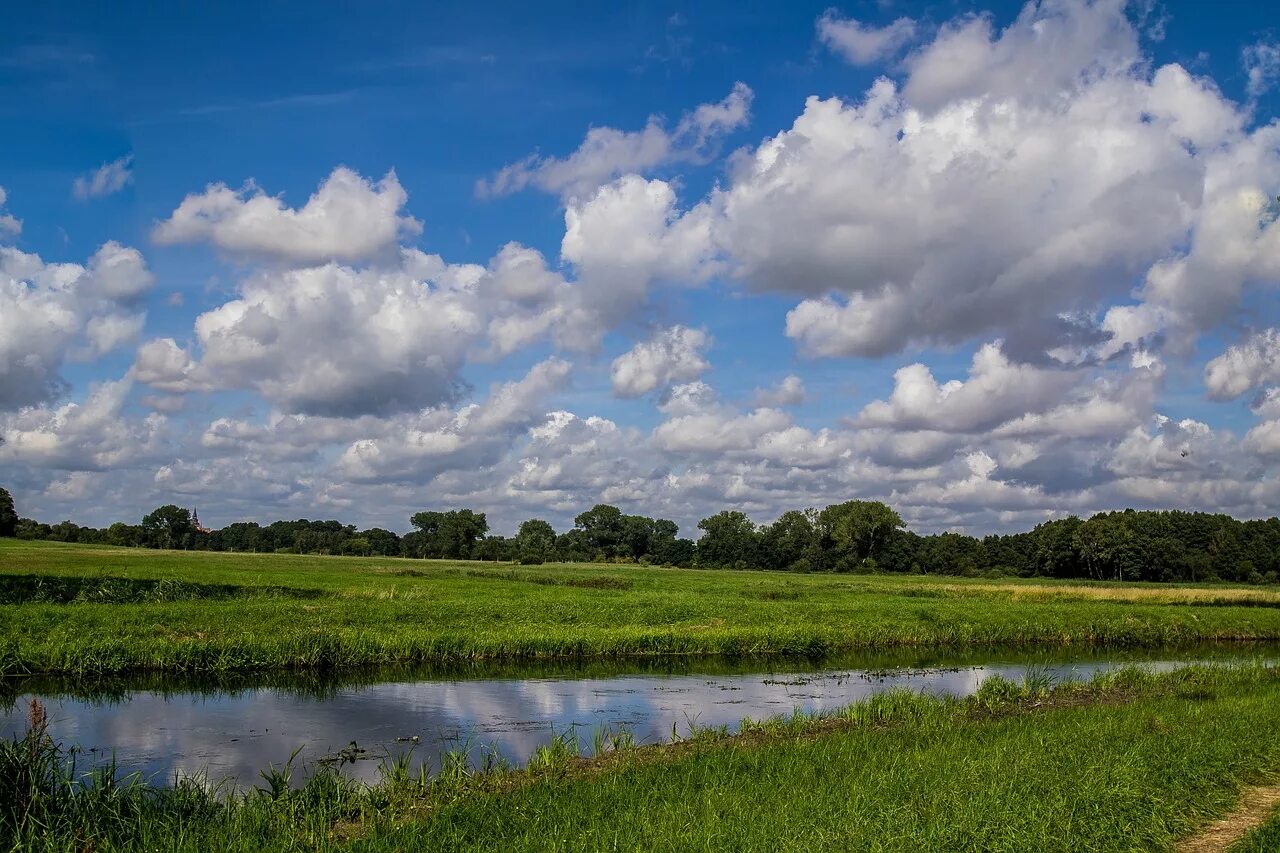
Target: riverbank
<point x="1130" y="760"/>
<point x="91" y="611"/>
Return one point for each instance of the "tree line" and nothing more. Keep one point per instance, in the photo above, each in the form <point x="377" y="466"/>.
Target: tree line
<point x="854" y="536"/>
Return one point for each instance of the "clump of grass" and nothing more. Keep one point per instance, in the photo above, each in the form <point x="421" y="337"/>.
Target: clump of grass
<point x="596" y="582"/>
<point x="773" y="594"/>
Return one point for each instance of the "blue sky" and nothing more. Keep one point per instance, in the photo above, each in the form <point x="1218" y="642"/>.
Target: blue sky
<point x="1105" y="311"/>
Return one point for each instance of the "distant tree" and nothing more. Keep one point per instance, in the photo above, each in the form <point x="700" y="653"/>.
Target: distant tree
<point x="535" y="542"/>
<point x="168" y="526"/>
<point x="8" y="515"/>
<point x="857" y="529"/>
<point x="602" y="528"/>
<point x="129" y="535"/>
<point x="498" y="549"/>
<point x="29" y="528"/>
<point x="792" y="542"/>
<point x="242" y="536"/>
<point x="450" y="535"/>
<point x="729" y="540"/>
<point x="384" y="543"/>
<point x="355" y="546"/>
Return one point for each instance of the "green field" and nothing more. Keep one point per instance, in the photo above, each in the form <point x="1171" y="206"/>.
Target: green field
<point x="82" y="610"/>
<point x="1129" y="761"/>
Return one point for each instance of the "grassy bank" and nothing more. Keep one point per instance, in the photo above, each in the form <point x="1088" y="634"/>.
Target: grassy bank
<point x="1264" y="839"/>
<point x="90" y="610"/>
<point x="1129" y="761"/>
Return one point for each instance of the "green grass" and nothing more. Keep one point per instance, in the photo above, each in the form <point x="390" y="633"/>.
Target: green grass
<point x="83" y="610"/>
<point x="1130" y="761"/>
<point x="1264" y="839"/>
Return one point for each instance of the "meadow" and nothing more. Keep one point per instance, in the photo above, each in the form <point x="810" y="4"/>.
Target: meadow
<point x="90" y="610"/>
<point x="1128" y="761"/>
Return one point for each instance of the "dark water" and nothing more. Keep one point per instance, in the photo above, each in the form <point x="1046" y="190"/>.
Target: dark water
<point x="233" y="729"/>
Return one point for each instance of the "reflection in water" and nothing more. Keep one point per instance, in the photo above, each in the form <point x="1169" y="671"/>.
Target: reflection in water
<point x="233" y="730"/>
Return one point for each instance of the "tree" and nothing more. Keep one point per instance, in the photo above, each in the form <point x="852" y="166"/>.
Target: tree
<point x="602" y="530"/>
<point x="857" y="529"/>
<point x="384" y="543"/>
<point x="168" y="526"/>
<point x="535" y="542"/>
<point x="450" y="535"/>
<point x="792" y="542"/>
<point x="8" y="515"/>
<point x="728" y="540"/>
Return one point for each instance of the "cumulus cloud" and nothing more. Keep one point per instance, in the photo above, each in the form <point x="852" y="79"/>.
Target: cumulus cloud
<point x="625" y="238"/>
<point x="52" y="312"/>
<point x="1245" y="366"/>
<point x="1010" y="180"/>
<point x="348" y="219"/>
<point x="342" y="341"/>
<point x="996" y="391"/>
<point x="107" y="179"/>
<point x="607" y="153"/>
<point x="92" y="435"/>
<point x="860" y="43"/>
<point x="425" y="445"/>
<point x="335" y="340"/>
<point x="670" y="356"/>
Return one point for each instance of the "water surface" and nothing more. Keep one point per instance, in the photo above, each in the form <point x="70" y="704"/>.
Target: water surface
<point x="231" y="729"/>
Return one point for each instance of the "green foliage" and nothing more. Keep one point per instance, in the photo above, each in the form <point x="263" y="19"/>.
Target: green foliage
<point x="168" y="526"/>
<point x="729" y="540"/>
<point x="535" y="542"/>
<point x="8" y="515"/>
<point x="451" y="535"/>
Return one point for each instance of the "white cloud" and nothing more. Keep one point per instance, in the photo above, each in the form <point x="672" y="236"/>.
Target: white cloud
<point x="606" y="153"/>
<point x="93" y="435"/>
<point x="340" y="341"/>
<point x="863" y="44"/>
<point x="1245" y="366"/>
<point x="670" y="356"/>
<point x="347" y="219"/>
<point x="789" y="392"/>
<point x="995" y="392"/>
<point x="10" y="225"/>
<point x="334" y="340"/>
<point x="1264" y="439"/>
<point x="625" y="238"/>
<point x="50" y="312"/>
<point x="165" y="366"/>
<point x="107" y="179"/>
<point x="1262" y="64"/>
<point x="425" y="445"/>
<point x="1011" y="180"/>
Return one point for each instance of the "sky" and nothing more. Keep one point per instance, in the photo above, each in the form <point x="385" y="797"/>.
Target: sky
<point x="991" y="264"/>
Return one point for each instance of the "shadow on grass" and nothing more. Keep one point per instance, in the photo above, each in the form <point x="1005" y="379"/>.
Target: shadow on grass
<point x="68" y="589"/>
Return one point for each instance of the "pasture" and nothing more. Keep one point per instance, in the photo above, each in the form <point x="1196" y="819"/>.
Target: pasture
<point x="88" y="610"/>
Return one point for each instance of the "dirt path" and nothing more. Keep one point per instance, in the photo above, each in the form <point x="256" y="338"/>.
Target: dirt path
<point x="1255" y="807"/>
